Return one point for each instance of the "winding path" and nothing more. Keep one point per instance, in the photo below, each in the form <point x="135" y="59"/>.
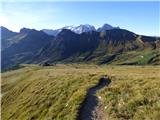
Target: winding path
<point x="91" y="106"/>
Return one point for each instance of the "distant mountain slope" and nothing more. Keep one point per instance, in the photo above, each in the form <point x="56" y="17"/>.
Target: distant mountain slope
<point x="76" y="29"/>
<point x="5" y="35"/>
<point x="107" y="47"/>
<point x="80" y="29"/>
<point x="51" y="32"/>
<point x="23" y="46"/>
<point x="99" y="47"/>
<point x="68" y="43"/>
<point x="106" y="27"/>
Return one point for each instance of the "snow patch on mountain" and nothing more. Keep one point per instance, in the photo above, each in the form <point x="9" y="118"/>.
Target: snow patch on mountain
<point x="80" y="29"/>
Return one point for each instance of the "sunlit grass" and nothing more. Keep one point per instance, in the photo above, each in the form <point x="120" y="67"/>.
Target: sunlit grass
<point x="56" y="92"/>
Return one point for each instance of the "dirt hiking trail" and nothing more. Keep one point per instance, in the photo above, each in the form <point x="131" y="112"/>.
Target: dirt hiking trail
<point x="91" y="108"/>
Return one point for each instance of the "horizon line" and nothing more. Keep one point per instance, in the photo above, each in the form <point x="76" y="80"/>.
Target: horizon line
<point x="74" y="26"/>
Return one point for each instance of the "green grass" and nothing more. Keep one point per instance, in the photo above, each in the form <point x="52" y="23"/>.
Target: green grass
<point x="56" y="92"/>
<point x="137" y="57"/>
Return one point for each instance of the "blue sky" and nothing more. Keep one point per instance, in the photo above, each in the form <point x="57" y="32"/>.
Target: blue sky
<point x="140" y="17"/>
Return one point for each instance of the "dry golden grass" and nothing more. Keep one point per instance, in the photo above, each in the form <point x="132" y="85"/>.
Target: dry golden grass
<point x="56" y="92"/>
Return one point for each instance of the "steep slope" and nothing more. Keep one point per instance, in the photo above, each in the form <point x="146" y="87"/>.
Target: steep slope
<point x="115" y="46"/>
<point x="5" y="35"/>
<point x="67" y="44"/>
<point x="98" y="47"/>
<point x="24" y="46"/>
<point x="51" y="32"/>
<point x="106" y="27"/>
<point x="117" y="42"/>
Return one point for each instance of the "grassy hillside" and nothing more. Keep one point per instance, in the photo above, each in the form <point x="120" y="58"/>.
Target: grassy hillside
<point x="138" y="58"/>
<point x="135" y="57"/>
<point x="56" y="92"/>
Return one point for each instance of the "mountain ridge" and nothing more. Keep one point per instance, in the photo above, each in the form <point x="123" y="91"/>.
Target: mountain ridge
<point x="110" y="46"/>
<point x="80" y="29"/>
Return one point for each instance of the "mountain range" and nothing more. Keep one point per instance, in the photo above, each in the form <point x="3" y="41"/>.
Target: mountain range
<point x="84" y="43"/>
<point x="80" y="29"/>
